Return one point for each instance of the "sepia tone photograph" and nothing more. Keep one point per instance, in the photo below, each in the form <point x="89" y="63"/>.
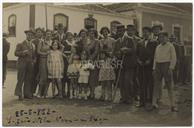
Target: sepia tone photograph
<point x="96" y="64"/>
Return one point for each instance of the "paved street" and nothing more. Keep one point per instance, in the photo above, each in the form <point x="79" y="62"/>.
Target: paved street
<point x="56" y="112"/>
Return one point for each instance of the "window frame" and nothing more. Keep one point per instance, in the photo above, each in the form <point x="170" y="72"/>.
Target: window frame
<point x="181" y="30"/>
<point x="60" y="14"/>
<point x="12" y="35"/>
<point x="95" y="20"/>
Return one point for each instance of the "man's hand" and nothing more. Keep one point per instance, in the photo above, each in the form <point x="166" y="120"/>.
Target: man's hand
<point x="170" y="71"/>
<point x="147" y="62"/>
<point x="154" y="72"/>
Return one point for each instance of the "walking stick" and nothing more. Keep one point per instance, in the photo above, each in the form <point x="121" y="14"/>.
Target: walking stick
<point x="117" y="81"/>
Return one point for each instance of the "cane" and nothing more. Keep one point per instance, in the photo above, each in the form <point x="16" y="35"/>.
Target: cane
<point x="117" y="81"/>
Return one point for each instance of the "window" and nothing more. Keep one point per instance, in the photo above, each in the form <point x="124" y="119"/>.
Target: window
<point x="60" y="19"/>
<point x="176" y="30"/>
<point x="113" y="26"/>
<point x="12" y="25"/>
<point x="90" y="22"/>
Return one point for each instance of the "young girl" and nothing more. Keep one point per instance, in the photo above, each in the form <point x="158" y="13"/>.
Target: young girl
<point x="72" y="74"/>
<point x="55" y="67"/>
<point x="84" y="73"/>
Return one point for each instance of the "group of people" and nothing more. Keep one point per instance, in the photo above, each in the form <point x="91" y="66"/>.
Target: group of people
<point x="75" y="65"/>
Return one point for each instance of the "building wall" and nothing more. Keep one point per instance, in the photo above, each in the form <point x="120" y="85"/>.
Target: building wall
<point x="22" y="24"/>
<point x="168" y="22"/>
<point x="76" y="18"/>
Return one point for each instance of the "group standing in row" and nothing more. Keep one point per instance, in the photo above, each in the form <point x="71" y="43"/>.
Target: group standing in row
<point x="76" y="65"/>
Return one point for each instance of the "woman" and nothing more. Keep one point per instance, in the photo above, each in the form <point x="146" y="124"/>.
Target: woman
<point x="106" y="74"/>
<point x="43" y="50"/>
<point x="92" y="49"/>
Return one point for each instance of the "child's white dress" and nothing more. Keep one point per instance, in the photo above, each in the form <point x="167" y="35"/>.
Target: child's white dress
<point x="84" y="72"/>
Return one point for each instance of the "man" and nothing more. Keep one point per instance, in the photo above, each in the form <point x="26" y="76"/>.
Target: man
<point x="156" y="29"/>
<point x="164" y="64"/>
<point x="131" y="33"/>
<point x="145" y="55"/>
<point x="125" y="51"/>
<point x="172" y="40"/>
<point x="6" y="48"/>
<point x="38" y="39"/>
<point x="25" y="52"/>
<point x="61" y="32"/>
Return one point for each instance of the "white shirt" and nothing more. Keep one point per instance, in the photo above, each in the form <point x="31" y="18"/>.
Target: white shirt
<point x="165" y="53"/>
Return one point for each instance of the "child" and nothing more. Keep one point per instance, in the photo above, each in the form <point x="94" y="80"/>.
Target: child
<point x="72" y="74"/>
<point x="106" y="77"/>
<point x="55" y="67"/>
<point x="84" y="73"/>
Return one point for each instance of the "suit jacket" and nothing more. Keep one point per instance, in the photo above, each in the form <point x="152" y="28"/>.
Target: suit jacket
<point x="130" y="56"/>
<point x="6" y="48"/>
<point x="145" y="53"/>
<point x="30" y="56"/>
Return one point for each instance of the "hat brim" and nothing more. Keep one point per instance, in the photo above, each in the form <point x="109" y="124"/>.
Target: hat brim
<point x="27" y="31"/>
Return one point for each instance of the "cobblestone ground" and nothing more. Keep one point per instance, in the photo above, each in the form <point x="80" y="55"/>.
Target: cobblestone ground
<point x="56" y="112"/>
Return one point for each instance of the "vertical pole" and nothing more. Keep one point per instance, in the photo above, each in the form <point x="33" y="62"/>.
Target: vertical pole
<point x="46" y="16"/>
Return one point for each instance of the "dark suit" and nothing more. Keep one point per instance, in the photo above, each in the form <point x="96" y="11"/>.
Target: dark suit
<point x="67" y="52"/>
<point x="36" y="65"/>
<point x="6" y="48"/>
<point x="25" y="68"/>
<point x="145" y="52"/>
<point x="127" y="67"/>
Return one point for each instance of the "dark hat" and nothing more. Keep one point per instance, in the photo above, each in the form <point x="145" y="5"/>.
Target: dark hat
<point x="147" y="28"/>
<point x="130" y="26"/>
<point x="172" y="36"/>
<point x="104" y="28"/>
<point x="40" y="29"/>
<point x="157" y="26"/>
<point x="120" y="26"/>
<point x="29" y="31"/>
<point x="163" y="33"/>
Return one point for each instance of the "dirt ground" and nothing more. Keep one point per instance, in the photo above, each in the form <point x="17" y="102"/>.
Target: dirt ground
<point x="65" y="112"/>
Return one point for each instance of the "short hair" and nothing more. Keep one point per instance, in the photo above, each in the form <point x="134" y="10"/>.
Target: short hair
<point x="163" y="33"/>
<point x="67" y="34"/>
<point x="82" y="30"/>
<point x="104" y="28"/>
<point x="147" y="28"/>
<point x="95" y="32"/>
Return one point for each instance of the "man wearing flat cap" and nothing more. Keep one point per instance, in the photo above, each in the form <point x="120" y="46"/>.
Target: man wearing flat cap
<point x="164" y="64"/>
<point x="125" y="52"/>
<point x="6" y="48"/>
<point x="145" y="55"/>
<point x="39" y="32"/>
<point x="25" y="52"/>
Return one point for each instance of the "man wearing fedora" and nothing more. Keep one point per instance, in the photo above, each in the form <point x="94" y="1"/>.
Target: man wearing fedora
<point x="6" y="48"/>
<point x="145" y="55"/>
<point x="61" y="33"/>
<point x="125" y="51"/>
<point x="164" y="64"/>
<point x="25" y="52"/>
